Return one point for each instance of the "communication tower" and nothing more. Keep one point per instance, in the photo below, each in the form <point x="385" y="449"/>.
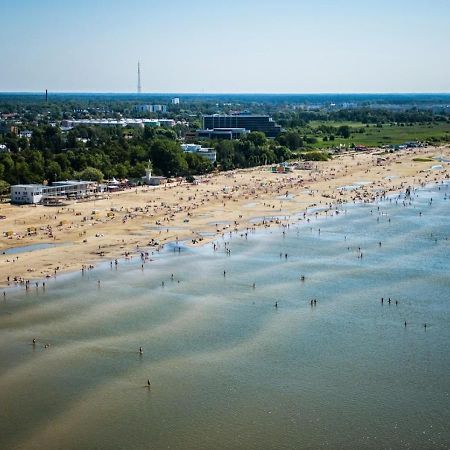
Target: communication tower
<point x="139" y="86"/>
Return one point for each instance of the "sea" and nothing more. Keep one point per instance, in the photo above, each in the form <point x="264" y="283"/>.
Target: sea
<point x="277" y="338"/>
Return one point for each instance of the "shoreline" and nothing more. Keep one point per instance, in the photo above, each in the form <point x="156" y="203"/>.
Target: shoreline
<point x="210" y="210"/>
<point x="264" y="228"/>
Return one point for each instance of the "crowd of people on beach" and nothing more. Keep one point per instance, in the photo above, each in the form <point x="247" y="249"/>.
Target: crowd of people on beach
<point x="404" y="199"/>
<point x="189" y="203"/>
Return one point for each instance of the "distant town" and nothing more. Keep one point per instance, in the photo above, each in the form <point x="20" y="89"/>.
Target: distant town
<point x="59" y="146"/>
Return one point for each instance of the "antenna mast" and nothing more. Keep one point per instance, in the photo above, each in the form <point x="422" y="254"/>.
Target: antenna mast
<point x="139" y="86"/>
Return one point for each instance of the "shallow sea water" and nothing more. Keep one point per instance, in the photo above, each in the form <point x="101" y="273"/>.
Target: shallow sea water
<point x="227" y="368"/>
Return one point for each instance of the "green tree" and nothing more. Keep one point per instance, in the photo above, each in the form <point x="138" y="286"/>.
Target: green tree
<point x="4" y="187"/>
<point x="53" y="171"/>
<point x="225" y="154"/>
<point x="344" y="131"/>
<point x="8" y="172"/>
<point x="168" y="158"/>
<point x="22" y="172"/>
<point x="36" y="162"/>
<point x="291" y="139"/>
<point x="138" y="170"/>
<point x="257" y="138"/>
<point x="198" y="164"/>
<point x="121" y="170"/>
<point x="90" y="174"/>
<point x="315" y="156"/>
<point x="282" y="153"/>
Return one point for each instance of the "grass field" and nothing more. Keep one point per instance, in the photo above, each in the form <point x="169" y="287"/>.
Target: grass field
<point x="374" y="136"/>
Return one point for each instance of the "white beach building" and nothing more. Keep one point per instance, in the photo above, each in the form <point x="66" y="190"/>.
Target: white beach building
<point x="26" y="193"/>
<point x="152" y="180"/>
<point x="36" y="193"/>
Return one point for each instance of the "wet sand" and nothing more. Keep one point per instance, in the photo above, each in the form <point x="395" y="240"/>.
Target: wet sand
<point x="101" y="230"/>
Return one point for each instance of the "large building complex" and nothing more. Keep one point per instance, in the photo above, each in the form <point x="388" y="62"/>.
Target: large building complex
<point x="136" y="123"/>
<point x="248" y="122"/>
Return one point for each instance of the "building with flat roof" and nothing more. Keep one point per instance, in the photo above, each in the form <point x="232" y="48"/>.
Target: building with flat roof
<point x="37" y="193"/>
<point x="208" y="153"/>
<point x="26" y="193"/>
<point x="151" y="108"/>
<point x="126" y="122"/>
<point x="249" y="122"/>
<point x="222" y="133"/>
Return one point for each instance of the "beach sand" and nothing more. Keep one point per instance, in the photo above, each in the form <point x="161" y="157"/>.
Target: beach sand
<point x="102" y="230"/>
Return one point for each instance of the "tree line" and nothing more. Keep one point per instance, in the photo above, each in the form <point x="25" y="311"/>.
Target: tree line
<point x="102" y="153"/>
<point x="301" y="118"/>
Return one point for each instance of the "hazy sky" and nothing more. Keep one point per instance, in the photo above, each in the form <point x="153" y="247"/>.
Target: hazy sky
<point x="299" y="46"/>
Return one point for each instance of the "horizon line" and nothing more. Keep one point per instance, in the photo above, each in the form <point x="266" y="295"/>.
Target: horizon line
<point x="229" y="93"/>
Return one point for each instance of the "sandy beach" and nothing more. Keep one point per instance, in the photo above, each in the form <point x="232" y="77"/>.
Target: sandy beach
<point x="84" y="233"/>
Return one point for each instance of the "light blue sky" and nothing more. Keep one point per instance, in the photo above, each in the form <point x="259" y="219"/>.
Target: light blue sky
<point x="299" y="46"/>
